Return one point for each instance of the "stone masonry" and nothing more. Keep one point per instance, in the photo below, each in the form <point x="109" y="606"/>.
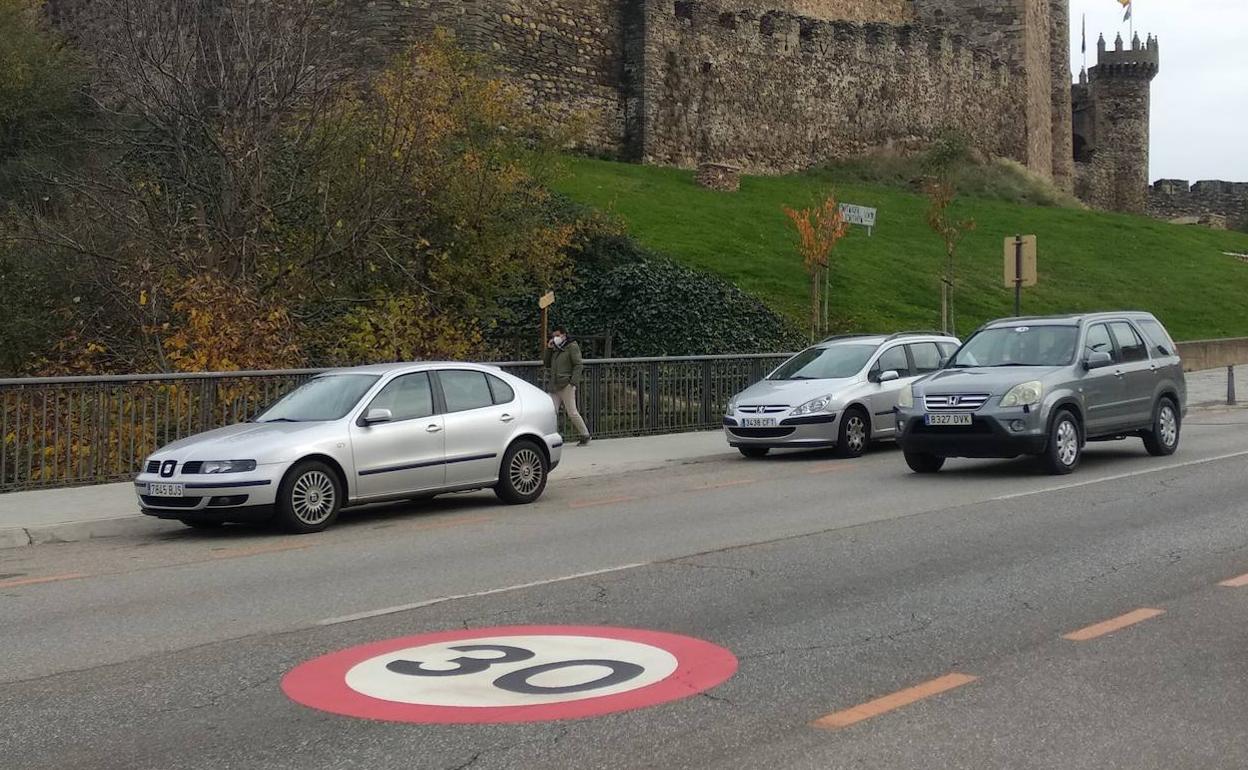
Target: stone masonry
<point x="1172" y="199"/>
<point x="778" y="85"/>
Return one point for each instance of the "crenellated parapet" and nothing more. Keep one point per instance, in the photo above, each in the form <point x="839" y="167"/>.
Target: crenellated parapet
<point x="773" y="90"/>
<point x="1209" y="199"/>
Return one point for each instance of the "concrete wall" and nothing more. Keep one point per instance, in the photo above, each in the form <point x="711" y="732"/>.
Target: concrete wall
<point x="780" y="92"/>
<point x="1199" y="355"/>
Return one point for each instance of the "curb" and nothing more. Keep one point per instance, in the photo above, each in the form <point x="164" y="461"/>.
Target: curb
<point x="77" y="531"/>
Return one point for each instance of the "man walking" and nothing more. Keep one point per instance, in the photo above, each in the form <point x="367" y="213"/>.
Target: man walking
<point x="562" y="359"/>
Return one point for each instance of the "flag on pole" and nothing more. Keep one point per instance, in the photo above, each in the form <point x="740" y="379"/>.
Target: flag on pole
<point x="1083" y="47"/>
<point x="1126" y="4"/>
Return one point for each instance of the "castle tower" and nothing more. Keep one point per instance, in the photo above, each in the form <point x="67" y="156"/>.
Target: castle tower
<point x="1111" y="136"/>
<point x="1020" y="33"/>
<point x="1059" y="48"/>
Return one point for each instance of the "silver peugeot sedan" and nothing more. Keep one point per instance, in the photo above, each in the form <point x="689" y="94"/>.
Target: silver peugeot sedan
<point x="362" y="435"/>
<point x="839" y="393"/>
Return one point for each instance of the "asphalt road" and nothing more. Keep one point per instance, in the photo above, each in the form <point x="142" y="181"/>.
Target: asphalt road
<point x="835" y="583"/>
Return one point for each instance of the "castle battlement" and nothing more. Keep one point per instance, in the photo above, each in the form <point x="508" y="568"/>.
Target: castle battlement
<point x="1141" y="60"/>
<point x="783" y="33"/>
<point x="1176" y="199"/>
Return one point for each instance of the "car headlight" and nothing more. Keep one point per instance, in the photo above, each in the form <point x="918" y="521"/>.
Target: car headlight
<point x="1027" y="394"/>
<point x="906" y="397"/>
<point x="228" y="466"/>
<point x="814" y="405"/>
<point x="732" y="404"/>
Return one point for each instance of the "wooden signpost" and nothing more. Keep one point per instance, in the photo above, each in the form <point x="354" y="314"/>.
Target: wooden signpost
<point x="544" y="302"/>
<point x="1020" y="266"/>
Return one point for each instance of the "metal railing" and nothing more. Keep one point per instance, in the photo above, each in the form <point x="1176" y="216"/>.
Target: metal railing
<point x="69" y="431"/>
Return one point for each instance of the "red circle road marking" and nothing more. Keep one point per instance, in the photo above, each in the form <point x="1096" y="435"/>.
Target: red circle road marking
<point x="321" y="683"/>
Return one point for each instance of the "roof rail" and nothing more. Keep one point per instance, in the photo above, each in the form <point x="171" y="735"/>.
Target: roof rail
<point x="836" y="337"/>
<point x="917" y="333"/>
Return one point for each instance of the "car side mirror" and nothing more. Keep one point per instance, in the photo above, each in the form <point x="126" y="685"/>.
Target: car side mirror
<point x="889" y="376"/>
<point x="1162" y="349"/>
<point x="1097" y="360"/>
<point x="376" y="416"/>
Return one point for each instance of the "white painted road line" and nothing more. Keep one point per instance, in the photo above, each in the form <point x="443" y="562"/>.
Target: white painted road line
<point x="1117" y="477"/>
<point x="489" y="592"/>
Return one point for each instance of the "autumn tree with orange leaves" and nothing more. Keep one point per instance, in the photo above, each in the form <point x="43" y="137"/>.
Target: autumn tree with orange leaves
<point x="818" y="230"/>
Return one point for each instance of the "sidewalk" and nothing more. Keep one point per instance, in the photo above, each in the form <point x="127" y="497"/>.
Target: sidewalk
<point x="1208" y="388"/>
<point x="110" y="510"/>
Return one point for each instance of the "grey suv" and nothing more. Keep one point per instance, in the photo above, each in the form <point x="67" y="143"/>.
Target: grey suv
<point x="1045" y="387"/>
<point x="839" y="393"/>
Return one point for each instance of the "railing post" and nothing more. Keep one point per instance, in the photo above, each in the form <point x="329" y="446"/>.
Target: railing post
<point x="653" y="423"/>
<point x="708" y="393"/>
<point x="1230" y="386"/>
<point x="594" y="400"/>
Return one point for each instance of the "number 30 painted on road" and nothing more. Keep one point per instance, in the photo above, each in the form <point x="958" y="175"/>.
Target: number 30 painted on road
<point x="509" y="674"/>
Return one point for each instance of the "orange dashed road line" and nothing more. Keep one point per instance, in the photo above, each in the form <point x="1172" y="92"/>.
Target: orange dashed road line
<point x="234" y="553"/>
<point x="422" y="525"/>
<point x="603" y="501"/>
<point x="839" y="719"/>
<point x="15" y="582"/>
<point x="1237" y="582"/>
<point x="1112" y="625"/>
<point x="829" y="468"/>
<point x="725" y="485"/>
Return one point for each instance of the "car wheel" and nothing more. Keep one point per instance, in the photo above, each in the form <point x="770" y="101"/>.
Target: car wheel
<point x="1065" y="447"/>
<point x="1163" y="439"/>
<point x="754" y="452"/>
<point x="202" y="523"/>
<point x="854" y="434"/>
<point x="309" y="498"/>
<point x="522" y="477"/>
<point x="922" y="462"/>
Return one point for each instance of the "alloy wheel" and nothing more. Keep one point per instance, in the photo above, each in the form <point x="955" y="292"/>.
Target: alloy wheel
<point x="312" y="498"/>
<point x="856" y="433"/>
<point x="1067" y="443"/>
<point x="525" y="472"/>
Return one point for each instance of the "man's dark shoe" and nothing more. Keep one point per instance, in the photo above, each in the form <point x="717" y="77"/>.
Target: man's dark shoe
<point x="584" y="441"/>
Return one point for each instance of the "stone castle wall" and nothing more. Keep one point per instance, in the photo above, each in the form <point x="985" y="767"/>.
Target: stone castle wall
<point x="770" y="84"/>
<point x="776" y="91"/>
<point x="1174" y="198"/>
<point x="1018" y="32"/>
<point x="892" y="11"/>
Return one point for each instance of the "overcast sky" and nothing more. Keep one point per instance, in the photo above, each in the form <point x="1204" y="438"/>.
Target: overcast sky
<point x="1200" y="99"/>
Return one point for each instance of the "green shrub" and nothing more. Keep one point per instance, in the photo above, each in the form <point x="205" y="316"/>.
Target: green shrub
<point x="651" y="306"/>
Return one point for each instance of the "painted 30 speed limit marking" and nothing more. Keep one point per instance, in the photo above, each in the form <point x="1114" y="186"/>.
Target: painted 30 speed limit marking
<point x="509" y="674"/>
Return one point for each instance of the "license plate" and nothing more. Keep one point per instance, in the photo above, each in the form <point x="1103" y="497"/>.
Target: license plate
<point x="758" y="422"/>
<point x="947" y="419"/>
<point x="165" y="490"/>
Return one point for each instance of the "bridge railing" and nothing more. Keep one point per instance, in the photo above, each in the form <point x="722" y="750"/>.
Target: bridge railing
<point x="69" y="431"/>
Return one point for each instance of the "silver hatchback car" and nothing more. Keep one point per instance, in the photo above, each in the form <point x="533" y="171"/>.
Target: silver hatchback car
<point x="839" y="393"/>
<point x="362" y="435"/>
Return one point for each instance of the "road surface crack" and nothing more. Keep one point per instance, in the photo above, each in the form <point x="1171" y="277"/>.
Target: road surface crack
<point x="687" y="563"/>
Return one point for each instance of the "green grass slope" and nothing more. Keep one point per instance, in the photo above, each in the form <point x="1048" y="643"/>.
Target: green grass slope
<point x="889" y="281"/>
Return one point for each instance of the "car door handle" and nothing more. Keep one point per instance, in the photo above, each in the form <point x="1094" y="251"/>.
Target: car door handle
<point x="506" y="418"/>
<point x="433" y="428"/>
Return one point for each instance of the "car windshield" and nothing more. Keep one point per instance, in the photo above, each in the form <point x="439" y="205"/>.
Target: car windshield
<point x="321" y="399"/>
<point x="1019" y="346"/>
<point x="827" y="363"/>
